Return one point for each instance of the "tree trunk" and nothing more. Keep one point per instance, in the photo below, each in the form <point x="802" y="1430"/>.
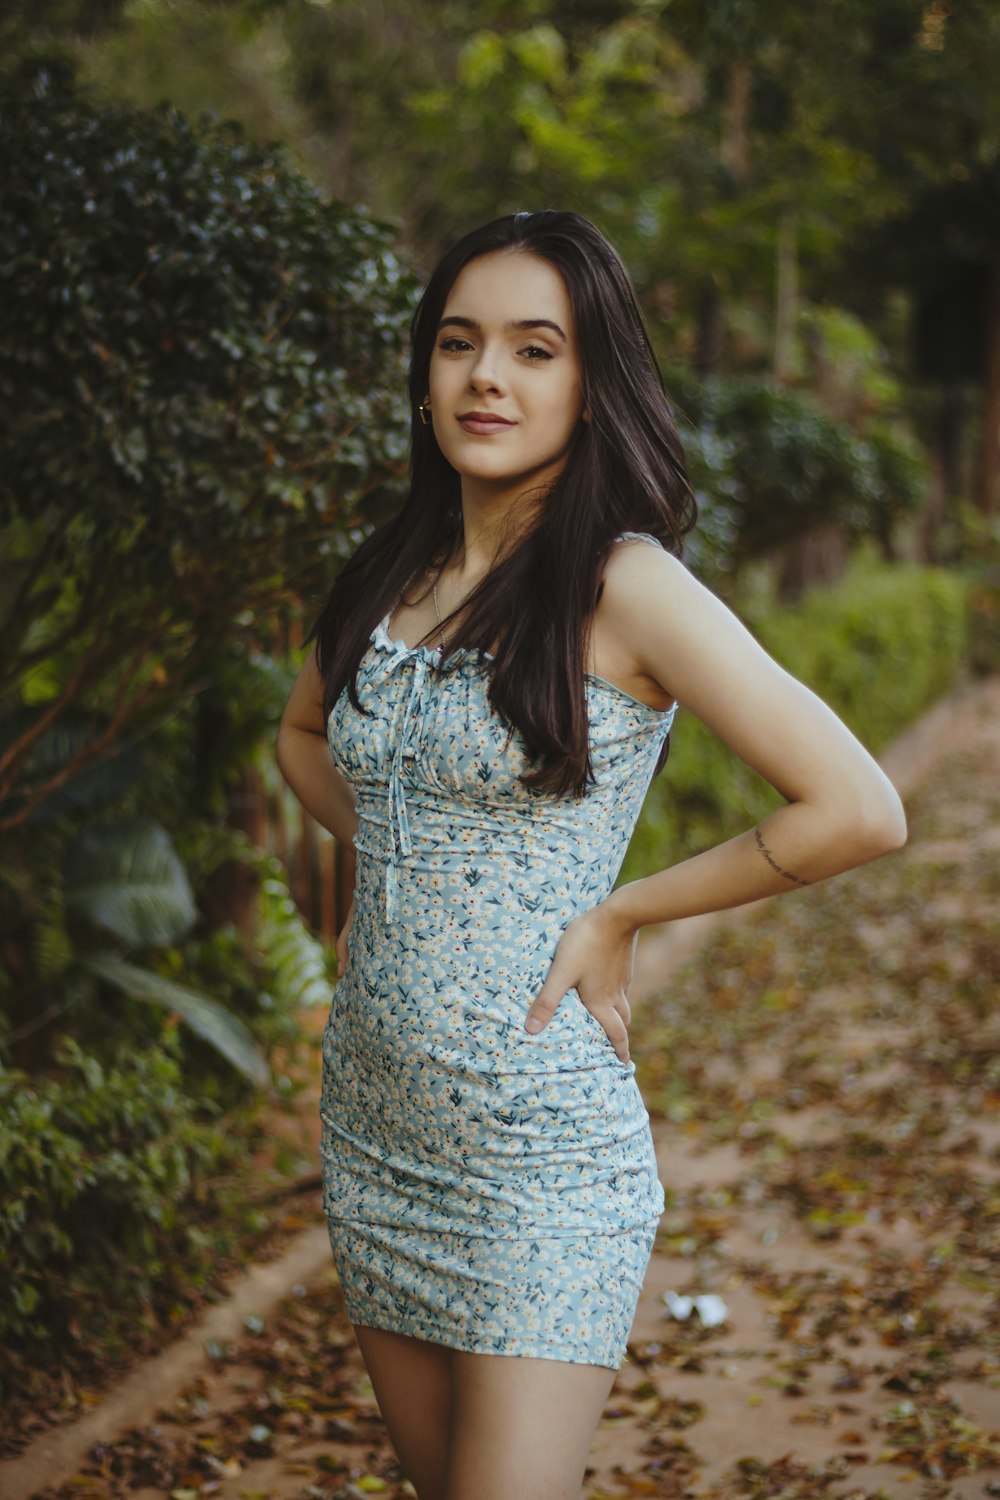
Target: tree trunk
<point x="987" y="482"/>
<point x="786" y="297"/>
<point x="814" y="560"/>
<point x="819" y="364"/>
<point x="946" y="472"/>
<point x="708" y="345"/>
<point x="230" y="894"/>
<point x="735" y="151"/>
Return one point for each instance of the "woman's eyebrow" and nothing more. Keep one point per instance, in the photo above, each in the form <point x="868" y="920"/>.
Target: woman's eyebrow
<point x="521" y="324"/>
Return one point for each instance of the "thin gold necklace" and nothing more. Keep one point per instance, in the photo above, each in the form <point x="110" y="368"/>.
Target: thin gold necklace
<point x="436" y="610"/>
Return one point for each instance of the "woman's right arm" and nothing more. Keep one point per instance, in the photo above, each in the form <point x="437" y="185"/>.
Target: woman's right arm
<point x="303" y="757"/>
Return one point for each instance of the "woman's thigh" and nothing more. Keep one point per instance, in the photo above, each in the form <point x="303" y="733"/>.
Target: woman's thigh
<point x="522" y="1426"/>
<point x="411" y="1378"/>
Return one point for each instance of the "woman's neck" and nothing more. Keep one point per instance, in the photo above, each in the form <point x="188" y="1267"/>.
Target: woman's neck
<point x="492" y="524"/>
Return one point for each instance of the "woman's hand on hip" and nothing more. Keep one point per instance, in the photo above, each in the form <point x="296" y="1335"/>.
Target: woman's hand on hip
<point x="342" y="950"/>
<point x="596" y="957"/>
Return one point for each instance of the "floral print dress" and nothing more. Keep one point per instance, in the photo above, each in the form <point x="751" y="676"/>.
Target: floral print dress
<point x="485" y="1189"/>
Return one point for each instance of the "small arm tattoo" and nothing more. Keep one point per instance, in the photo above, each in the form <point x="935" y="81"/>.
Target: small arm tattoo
<point x="773" y="863"/>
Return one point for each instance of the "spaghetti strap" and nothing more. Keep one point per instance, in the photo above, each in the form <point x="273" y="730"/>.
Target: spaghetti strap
<point x="640" y="536"/>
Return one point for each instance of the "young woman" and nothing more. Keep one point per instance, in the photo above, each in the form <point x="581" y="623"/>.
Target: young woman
<point x="496" y="673"/>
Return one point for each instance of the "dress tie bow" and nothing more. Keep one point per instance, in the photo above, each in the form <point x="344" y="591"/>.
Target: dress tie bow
<point x="412" y="710"/>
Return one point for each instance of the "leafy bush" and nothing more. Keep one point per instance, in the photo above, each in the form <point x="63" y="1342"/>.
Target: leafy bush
<point x="769" y="465"/>
<point x="970" y="539"/>
<point x="105" y="1174"/>
<point x="200" y="365"/>
<point x="201" y="360"/>
<point x="984" y="651"/>
<point x="105" y="1164"/>
<point x="879" y="649"/>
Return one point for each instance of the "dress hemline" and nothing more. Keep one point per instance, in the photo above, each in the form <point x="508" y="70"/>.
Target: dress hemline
<point x="516" y="1348"/>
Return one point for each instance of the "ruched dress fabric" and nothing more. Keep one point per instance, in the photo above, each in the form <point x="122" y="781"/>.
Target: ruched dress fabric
<point x="485" y="1189"/>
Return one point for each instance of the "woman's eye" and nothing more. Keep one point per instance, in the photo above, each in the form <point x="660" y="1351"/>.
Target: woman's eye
<point x="533" y="352"/>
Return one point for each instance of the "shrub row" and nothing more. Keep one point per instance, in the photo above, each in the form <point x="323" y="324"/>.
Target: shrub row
<point x="111" y="1219"/>
<point x="123" y="1164"/>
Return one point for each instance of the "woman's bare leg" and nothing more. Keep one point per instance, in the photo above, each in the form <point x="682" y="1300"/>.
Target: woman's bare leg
<point x="522" y="1427"/>
<point x="411" y="1378"/>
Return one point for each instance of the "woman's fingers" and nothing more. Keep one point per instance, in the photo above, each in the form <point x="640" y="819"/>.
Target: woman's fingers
<point x="340" y="947"/>
<point x="606" y="960"/>
<point x="542" y="1009"/>
<point x="615" y="1017"/>
<point x="619" y="1032"/>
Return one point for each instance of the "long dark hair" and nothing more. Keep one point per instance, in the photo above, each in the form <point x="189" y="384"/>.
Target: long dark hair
<point x="624" y="471"/>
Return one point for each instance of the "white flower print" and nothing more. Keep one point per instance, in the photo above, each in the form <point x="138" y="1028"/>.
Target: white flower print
<point x="485" y="1189"/>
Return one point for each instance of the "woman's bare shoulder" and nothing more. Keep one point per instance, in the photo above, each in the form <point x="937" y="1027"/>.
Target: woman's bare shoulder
<point x="635" y="563"/>
<point x="674" y="628"/>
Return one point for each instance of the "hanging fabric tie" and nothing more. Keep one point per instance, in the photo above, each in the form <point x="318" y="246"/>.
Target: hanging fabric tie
<point x="413" y="708"/>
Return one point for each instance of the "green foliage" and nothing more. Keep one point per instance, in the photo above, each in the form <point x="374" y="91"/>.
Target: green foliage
<point x="295" y="966"/>
<point x="882" y="647"/>
<point x="41" y="785"/>
<point x="971" y="539"/>
<point x="879" y="649"/>
<point x="576" y="117"/>
<point x="101" y="1174"/>
<point x="188" y="323"/>
<point x="238" y="716"/>
<point x="209" y="1020"/>
<point x="201" y="361"/>
<point x="123" y="882"/>
<point x="769" y="465"/>
<point x="984" y="649"/>
<point x="124" y="879"/>
<point x="107" y="1160"/>
<point x="855" y="375"/>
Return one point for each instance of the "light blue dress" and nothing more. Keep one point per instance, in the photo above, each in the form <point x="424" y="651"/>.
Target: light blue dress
<point x="485" y="1189"/>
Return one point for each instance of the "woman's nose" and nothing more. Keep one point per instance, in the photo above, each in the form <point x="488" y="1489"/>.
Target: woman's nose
<point x="484" y="373"/>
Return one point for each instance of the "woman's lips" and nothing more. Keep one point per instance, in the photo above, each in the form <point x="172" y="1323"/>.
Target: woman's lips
<point x="485" y="425"/>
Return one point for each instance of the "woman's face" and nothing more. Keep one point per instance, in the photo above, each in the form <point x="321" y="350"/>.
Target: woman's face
<point x="505" y="350"/>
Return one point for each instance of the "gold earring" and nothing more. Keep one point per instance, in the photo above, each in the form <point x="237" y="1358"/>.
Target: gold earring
<point x="422" y="410"/>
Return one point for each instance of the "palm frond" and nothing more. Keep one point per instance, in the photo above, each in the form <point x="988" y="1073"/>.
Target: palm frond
<point x="125" y="878"/>
<point x="207" y="1018"/>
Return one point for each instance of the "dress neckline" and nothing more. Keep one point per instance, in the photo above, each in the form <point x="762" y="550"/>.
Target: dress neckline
<point x="380" y="637"/>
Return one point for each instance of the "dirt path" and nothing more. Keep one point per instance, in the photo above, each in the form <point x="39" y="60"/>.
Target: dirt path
<point x="824" y="1084"/>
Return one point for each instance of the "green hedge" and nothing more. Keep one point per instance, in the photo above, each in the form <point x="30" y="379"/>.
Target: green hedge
<point x="879" y="648"/>
<point x="107" y="1176"/>
<point x="123" y="1164"/>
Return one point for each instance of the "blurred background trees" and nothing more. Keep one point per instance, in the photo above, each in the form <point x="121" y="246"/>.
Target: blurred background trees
<point x="773" y="174"/>
<point x="214" y="222"/>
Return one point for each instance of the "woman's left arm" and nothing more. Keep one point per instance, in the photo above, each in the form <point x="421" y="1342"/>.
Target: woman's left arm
<point x="840" y="808"/>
